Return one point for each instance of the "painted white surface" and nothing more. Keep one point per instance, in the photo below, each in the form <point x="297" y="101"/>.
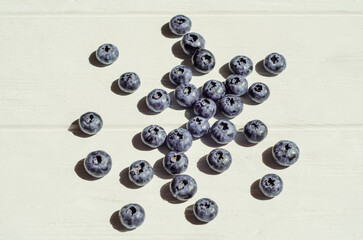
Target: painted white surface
<point x="47" y="82"/>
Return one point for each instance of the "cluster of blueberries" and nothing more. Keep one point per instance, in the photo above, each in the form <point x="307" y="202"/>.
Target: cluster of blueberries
<point x="224" y="96"/>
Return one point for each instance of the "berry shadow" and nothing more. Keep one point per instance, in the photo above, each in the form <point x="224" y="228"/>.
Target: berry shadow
<point x="260" y="69"/>
<point x="247" y="100"/>
<point x="173" y="104"/>
<point x="202" y="165"/>
<point x="116" y="223"/>
<point x="189" y="216"/>
<point x="256" y="192"/>
<point x="166" y="32"/>
<point x="269" y="160"/>
<point x="94" y="61"/>
<point x="143" y="108"/>
<point x="76" y="130"/>
<point x="178" y="52"/>
<point x="165" y="81"/>
<point x="116" y="89"/>
<point x="138" y="144"/>
<point x="224" y="71"/>
<point x="167" y="196"/>
<point x="159" y="170"/>
<point x="189" y="113"/>
<point x="125" y="180"/>
<point x="241" y="140"/>
<point x="207" y="140"/>
<point x="81" y="171"/>
<point x="188" y="62"/>
<point x="164" y="149"/>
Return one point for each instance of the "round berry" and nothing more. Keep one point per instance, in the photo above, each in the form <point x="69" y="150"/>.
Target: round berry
<point x="129" y="82"/>
<point x="241" y="65"/>
<point x="179" y="140"/>
<point x="191" y="42"/>
<point x="154" y="136"/>
<point x="141" y="172"/>
<point x="203" y="61"/>
<point x="274" y="63"/>
<point x="255" y="131"/>
<point x="214" y="89"/>
<point x="180" y="24"/>
<point x="198" y="126"/>
<point x="231" y="105"/>
<point x="236" y="84"/>
<point x="158" y="100"/>
<point x="183" y="187"/>
<point x="223" y="131"/>
<point x="131" y="215"/>
<point x="219" y="160"/>
<point x="258" y="92"/>
<point x="98" y="163"/>
<point x="186" y="95"/>
<point x="285" y="152"/>
<point x="271" y="185"/>
<point x="175" y="162"/>
<point x="107" y="54"/>
<point x="205" y="107"/>
<point x="90" y="123"/>
<point x="180" y="74"/>
<point x="205" y="210"/>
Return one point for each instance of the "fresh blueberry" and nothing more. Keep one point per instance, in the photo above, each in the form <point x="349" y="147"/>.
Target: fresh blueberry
<point x="231" y="105"/>
<point x="154" y="136"/>
<point x="97" y="163"/>
<point x="90" y="123"/>
<point x="205" y="107"/>
<point x="205" y="210"/>
<point x="132" y="215"/>
<point x="223" y="131"/>
<point x="285" y="152"/>
<point x="241" y="65"/>
<point x="129" y="82"/>
<point x="158" y="100"/>
<point x="219" y="160"/>
<point x="214" y="89"/>
<point x="180" y="24"/>
<point x="274" y="63"/>
<point x="191" y="42"/>
<point x="180" y="74"/>
<point x="175" y="162"/>
<point x="179" y="140"/>
<point x="236" y="84"/>
<point x="203" y="61"/>
<point x="107" y="53"/>
<point x="186" y="95"/>
<point x="141" y="172"/>
<point x="198" y="126"/>
<point x="258" y="92"/>
<point x="271" y="185"/>
<point x="255" y="131"/>
<point x="183" y="187"/>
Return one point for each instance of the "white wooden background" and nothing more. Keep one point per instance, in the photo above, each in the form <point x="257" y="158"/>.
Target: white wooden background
<point x="47" y="82"/>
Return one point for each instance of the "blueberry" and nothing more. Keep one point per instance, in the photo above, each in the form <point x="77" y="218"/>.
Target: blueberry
<point x="180" y="74"/>
<point x="132" y="215"/>
<point x="90" y="123"/>
<point x="179" y="140"/>
<point x="205" y="107"/>
<point x="241" y="65"/>
<point x="97" y="163"/>
<point x="180" y="24"/>
<point x="255" y="131"/>
<point x="258" y="92"/>
<point x="158" y="100"/>
<point x="223" y="131"/>
<point x="107" y="53"/>
<point x="205" y="210"/>
<point x="231" y="105"/>
<point x="141" y="172"/>
<point x="285" y="152"/>
<point x="203" y="61"/>
<point x="198" y="126"/>
<point x="186" y="95"/>
<point x="183" y="187"/>
<point x="175" y="162"/>
<point x="271" y="185"/>
<point x="191" y="42"/>
<point x="129" y="82"/>
<point x="274" y="63"/>
<point x="219" y="160"/>
<point x="154" y="136"/>
<point x="214" y="89"/>
<point x="236" y="84"/>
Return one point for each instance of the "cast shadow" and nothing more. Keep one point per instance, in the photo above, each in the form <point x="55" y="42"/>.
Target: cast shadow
<point x="143" y="108"/>
<point x="167" y="196"/>
<point x="116" y="89"/>
<point x="173" y="104"/>
<point x="76" y="130"/>
<point x="269" y="160"/>
<point x="138" y="144"/>
<point x="260" y="69"/>
<point x="241" y="140"/>
<point x="81" y="171"/>
<point x="178" y="52"/>
<point x="224" y="71"/>
<point x="116" y="223"/>
<point x="189" y="113"/>
<point x="94" y="61"/>
<point x="166" y="32"/>
<point x="159" y="170"/>
<point x="207" y="140"/>
<point x="188" y="62"/>
<point x="125" y="180"/>
<point x="189" y="215"/>
<point x="256" y="192"/>
<point x="247" y="100"/>
<point x="202" y="165"/>
<point x="165" y="81"/>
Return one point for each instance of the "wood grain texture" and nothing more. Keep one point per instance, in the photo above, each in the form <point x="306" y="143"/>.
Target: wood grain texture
<point x="48" y="79"/>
